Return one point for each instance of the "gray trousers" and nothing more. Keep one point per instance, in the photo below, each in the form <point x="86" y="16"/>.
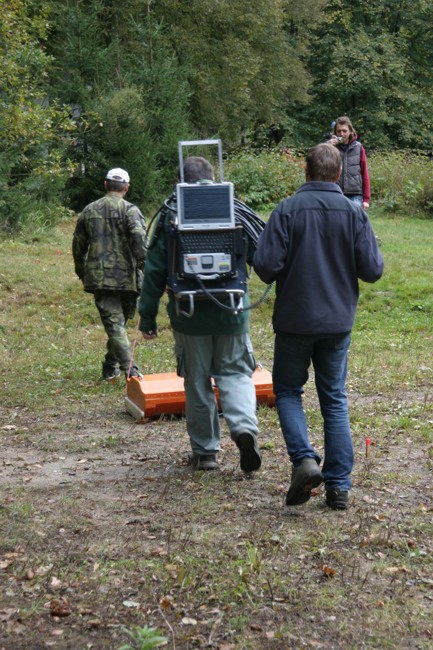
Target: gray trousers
<point x="115" y="308"/>
<point x="230" y="361"/>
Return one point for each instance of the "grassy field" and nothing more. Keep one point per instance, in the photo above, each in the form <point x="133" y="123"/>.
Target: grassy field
<point x="104" y="527"/>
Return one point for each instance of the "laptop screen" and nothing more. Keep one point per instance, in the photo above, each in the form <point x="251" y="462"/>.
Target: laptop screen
<point x="207" y="206"/>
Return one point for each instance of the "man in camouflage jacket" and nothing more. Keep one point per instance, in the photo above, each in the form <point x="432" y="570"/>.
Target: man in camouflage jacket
<point x="109" y="249"/>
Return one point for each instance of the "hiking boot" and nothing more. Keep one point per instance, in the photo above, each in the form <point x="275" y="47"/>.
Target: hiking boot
<point x="133" y="372"/>
<point x="110" y="373"/>
<point x="305" y="477"/>
<point x="203" y="463"/>
<point x="249" y="451"/>
<point x="337" y="499"/>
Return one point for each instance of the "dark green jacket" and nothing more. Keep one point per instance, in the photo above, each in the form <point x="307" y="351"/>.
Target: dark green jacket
<point x="109" y="245"/>
<point x="208" y="318"/>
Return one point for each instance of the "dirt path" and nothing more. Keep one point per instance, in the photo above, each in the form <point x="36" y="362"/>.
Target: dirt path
<point x="105" y="526"/>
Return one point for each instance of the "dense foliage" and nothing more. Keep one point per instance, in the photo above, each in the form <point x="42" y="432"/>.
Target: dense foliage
<point x="264" y="179"/>
<point x="93" y="84"/>
<point x="411" y="192"/>
<point x="372" y="61"/>
<point x="33" y="132"/>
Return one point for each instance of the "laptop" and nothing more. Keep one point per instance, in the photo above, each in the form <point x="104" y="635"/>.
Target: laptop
<point x="205" y="206"/>
<point x="206" y="229"/>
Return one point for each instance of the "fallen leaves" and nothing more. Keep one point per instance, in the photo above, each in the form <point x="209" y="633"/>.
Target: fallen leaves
<point x="328" y="571"/>
<point x="4" y="564"/>
<point x="59" y="607"/>
<point x="392" y="570"/>
<point x="131" y="604"/>
<point x="9" y="558"/>
<point x="166" y="602"/>
<point x="43" y="570"/>
<point x="55" y="583"/>
<point x="256" y="627"/>
<point x="8" y="613"/>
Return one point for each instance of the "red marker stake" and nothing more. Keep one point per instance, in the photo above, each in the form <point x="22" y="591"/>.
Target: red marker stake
<point x="367" y="447"/>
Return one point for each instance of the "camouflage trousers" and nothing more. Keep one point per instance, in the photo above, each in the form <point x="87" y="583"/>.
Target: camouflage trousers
<point x="115" y="308"/>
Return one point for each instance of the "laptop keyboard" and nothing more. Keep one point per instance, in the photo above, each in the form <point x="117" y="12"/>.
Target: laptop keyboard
<point x="206" y="242"/>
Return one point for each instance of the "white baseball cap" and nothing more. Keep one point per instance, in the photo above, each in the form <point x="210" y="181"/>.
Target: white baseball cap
<point x="117" y="174"/>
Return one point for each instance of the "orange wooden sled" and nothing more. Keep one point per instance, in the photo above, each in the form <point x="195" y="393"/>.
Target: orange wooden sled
<point x="163" y="393"/>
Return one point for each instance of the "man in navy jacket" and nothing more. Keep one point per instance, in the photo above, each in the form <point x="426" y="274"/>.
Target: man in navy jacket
<point x="315" y="246"/>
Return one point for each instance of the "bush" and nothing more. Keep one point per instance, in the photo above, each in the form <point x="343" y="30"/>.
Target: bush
<point x="402" y="181"/>
<point x="33" y="202"/>
<point x="266" y="177"/>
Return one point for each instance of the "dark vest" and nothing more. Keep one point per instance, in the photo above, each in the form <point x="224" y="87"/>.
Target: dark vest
<point x="351" y="178"/>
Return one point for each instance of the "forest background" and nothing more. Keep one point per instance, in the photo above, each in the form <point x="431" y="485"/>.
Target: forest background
<point x="91" y="84"/>
<point x="98" y="537"/>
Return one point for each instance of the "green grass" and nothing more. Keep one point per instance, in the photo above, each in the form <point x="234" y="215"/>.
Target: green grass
<point x="102" y="511"/>
<point x="50" y="327"/>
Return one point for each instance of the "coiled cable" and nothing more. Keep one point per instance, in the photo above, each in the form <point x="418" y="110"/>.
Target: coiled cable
<point x="245" y="216"/>
<point x="253" y="226"/>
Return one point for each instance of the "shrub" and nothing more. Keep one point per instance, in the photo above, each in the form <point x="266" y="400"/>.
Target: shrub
<point x="34" y="203"/>
<point x="266" y="177"/>
<point x="402" y="181"/>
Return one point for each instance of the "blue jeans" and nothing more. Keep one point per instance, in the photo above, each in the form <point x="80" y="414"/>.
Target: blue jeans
<point x="292" y="358"/>
<point x="356" y="198"/>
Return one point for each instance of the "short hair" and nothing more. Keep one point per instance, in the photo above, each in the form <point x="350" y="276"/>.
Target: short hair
<point x="344" y="120"/>
<point x="323" y="163"/>
<point x="115" y="186"/>
<point x="196" y="168"/>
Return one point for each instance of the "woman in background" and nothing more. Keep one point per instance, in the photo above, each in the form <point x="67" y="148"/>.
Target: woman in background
<point x="354" y="179"/>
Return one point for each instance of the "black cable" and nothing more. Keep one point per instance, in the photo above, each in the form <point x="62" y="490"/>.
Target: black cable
<point x="249" y="220"/>
<point x="151" y="237"/>
<point x="253" y="226"/>
<point x="173" y="206"/>
<point x="227" y="307"/>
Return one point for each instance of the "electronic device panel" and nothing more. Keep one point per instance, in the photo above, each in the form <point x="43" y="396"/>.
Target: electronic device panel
<point x="207" y="252"/>
<point x="205" y="206"/>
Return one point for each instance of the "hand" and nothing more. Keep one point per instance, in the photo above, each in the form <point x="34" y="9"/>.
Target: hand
<point x="150" y="335"/>
<point x="333" y="140"/>
<point x="365" y="205"/>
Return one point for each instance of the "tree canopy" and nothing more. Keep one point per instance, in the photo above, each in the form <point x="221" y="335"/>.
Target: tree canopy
<point x="372" y="61"/>
<point x="92" y="84"/>
<point x="33" y="132"/>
